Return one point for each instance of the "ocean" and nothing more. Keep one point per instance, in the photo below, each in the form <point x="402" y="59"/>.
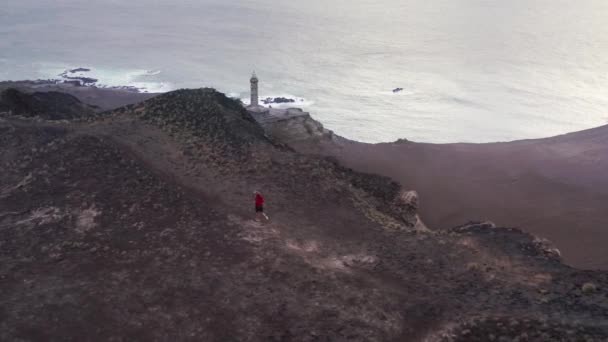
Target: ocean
<point x="471" y="70"/>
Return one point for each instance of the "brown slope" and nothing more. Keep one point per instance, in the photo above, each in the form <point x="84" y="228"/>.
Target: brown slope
<point x="137" y="227"/>
<point x="556" y="187"/>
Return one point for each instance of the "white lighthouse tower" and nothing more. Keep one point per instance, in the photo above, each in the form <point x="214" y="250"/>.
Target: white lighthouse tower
<point x="254" y="90"/>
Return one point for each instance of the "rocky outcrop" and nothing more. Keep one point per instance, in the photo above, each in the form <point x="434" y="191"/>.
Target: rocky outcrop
<point x="513" y="241"/>
<point x="299" y="128"/>
<point x="277" y="100"/>
<point x="406" y="205"/>
<point x="290" y="126"/>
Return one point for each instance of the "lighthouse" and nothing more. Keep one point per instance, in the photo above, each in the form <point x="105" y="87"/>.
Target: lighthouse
<point x="254" y="90"/>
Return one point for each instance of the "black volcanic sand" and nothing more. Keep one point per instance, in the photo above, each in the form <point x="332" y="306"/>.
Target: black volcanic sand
<point x="136" y="225"/>
<point x="556" y="188"/>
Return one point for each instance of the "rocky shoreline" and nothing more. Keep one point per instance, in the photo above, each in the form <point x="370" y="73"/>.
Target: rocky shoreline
<point x="280" y="100"/>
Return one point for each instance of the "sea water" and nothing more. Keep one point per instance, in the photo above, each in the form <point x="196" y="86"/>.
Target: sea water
<point x="471" y="70"/>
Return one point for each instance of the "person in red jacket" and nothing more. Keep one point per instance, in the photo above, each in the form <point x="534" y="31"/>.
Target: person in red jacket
<point x="259" y="206"/>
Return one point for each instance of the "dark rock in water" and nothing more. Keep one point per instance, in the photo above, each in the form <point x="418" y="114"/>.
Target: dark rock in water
<point x="46" y="105"/>
<point x="79" y="70"/>
<point x="396" y="90"/>
<point x="83" y="80"/>
<point x="74" y="83"/>
<point x="270" y="100"/>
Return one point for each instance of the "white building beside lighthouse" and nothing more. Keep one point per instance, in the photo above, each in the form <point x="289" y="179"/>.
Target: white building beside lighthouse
<point x="291" y="124"/>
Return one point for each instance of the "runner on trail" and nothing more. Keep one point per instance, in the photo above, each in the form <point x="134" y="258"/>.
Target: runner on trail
<point x="259" y="206"/>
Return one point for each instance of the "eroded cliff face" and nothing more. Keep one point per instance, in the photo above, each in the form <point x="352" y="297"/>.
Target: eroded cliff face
<point x="290" y="126"/>
<point x="299" y="128"/>
<point x="137" y="225"/>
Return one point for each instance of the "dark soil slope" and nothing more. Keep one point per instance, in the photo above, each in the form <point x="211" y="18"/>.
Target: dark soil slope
<point x="137" y="226"/>
<point x="45" y="105"/>
<point x="556" y="187"/>
<point x="100" y="99"/>
<point x="204" y="113"/>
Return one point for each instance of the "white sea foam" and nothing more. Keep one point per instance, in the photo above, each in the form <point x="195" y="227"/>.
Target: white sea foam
<point x="139" y="79"/>
<point x="300" y="102"/>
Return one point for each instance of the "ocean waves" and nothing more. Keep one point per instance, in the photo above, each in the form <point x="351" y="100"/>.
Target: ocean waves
<point x="145" y="81"/>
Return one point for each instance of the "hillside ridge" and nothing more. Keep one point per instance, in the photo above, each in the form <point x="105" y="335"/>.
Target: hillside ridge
<point x="137" y="224"/>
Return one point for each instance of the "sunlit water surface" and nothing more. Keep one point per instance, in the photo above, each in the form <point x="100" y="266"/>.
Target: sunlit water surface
<point x="471" y="71"/>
